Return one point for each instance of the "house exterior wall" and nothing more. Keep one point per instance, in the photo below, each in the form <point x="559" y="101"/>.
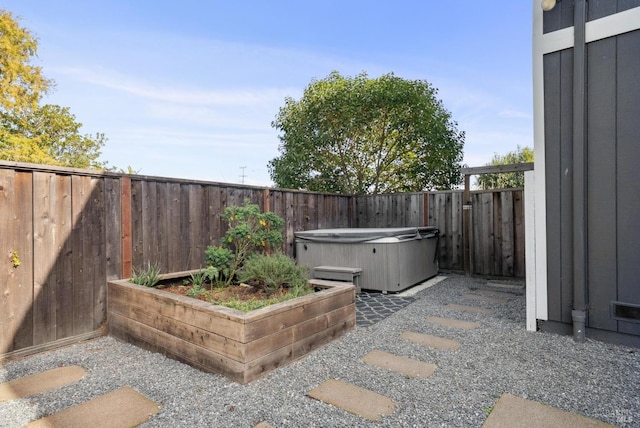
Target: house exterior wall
<point x="607" y="191"/>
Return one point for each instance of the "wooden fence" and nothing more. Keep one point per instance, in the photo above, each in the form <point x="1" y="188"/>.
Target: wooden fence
<point x="498" y="225"/>
<point x="64" y="233"/>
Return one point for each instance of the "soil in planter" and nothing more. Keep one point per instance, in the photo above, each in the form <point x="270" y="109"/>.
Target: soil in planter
<point x="242" y="297"/>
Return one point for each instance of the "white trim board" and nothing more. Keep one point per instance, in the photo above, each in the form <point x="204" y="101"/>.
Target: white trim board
<point x="530" y="249"/>
<point x="598" y="29"/>
<point x="540" y="201"/>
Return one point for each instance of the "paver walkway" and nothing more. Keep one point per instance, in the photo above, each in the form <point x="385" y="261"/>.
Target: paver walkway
<point x="353" y="399"/>
<point x="509" y="412"/>
<point x="41" y="382"/>
<point x="515" y="412"/>
<point x="406" y="366"/>
<point x="431" y="341"/>
<point x="126" y="407"/>
<point x="472" y="309"/>
<point x="455" y="323"/>
<point x="123" y="407"/>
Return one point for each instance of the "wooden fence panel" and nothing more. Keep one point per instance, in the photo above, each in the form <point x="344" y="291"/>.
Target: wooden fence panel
<point x="162" y="241"/>
<point x="113" y="228"/>
<point x="95" y="267"/>
<point x="174" y="220"/>
<point x="85" y="241"/>
<point x="289" y="223"/>
<point x="196" y="247"/>
<point x="138" y="259"/>
<point x="498" y="232"/>
<point x="456" y="252"/>
<point x="437" y="217"/>
<point x="64" y="263"/>
<point x="395" y="210"/>
<point x="73" y="230"/>
<point x="150" y="231"/>
<point x="16" y="282"/>
<point x="45" y="245"/>
<point x="445" y="213"/>
<point x="519" y="234"/>
<point x="504" y="251"/>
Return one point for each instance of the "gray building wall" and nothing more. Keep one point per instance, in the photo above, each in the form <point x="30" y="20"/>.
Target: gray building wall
<point x="612" y="169"/>
<point x="561" y="16"/>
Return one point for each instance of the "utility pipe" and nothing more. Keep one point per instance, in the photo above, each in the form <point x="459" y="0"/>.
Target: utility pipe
<point x="580" y="265"/>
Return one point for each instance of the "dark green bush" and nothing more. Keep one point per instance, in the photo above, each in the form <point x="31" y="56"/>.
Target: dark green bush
<point x="250" y="231"/>
<point x="220" y="259"/>
<point x="274" y="271"/>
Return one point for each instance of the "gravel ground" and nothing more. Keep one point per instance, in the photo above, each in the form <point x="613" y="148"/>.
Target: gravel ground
<point x="594" y="379"/>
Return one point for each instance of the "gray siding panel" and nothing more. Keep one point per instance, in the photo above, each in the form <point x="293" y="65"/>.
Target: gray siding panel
<point x="601" y="8"/>
<point x="559" y="17"/>
<point x="566" y="182"/>
<point x="552" y="163"/>
<point x="628" y="126"/>
<point x="612" y="168"/>
<point x="601" y="167"/>
<point x="558" y="69"/>
<point x="626" y="4"/>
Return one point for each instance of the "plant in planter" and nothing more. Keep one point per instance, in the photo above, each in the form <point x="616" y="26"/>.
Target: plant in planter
<point x="250" y="231"/>
<point x="148" y="277"/>
<point x="240" y="341"/>
<point x="241" y="271"/>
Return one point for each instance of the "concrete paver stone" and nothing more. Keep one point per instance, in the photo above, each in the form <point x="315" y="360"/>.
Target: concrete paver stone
<point x="123" y="407"/>
<point x="494" y="293"/>
<point x="455" y="323"/>
<point x="515" y="412"/>
<point x="359" y="401"/>
<point x="404" y="365"/>
<point x="431" y="341"/>
<point x="472" y="309"/>
<point x="482" y="298"/>
<point x="41" y="382"/>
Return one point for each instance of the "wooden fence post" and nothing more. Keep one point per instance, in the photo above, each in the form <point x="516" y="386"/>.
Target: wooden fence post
<point x="267" y="200"/>
<point x="425" y="213"/>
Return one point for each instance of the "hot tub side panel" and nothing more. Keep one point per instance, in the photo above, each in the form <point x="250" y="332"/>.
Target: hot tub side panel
<point x="417" y="261"/>
<point x="386" y="266"/>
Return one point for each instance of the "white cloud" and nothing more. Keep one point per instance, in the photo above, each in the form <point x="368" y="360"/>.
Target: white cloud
<point x="113" y="80"/>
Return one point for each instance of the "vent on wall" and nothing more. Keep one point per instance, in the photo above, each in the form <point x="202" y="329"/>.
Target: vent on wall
<point x="625" y="312"/>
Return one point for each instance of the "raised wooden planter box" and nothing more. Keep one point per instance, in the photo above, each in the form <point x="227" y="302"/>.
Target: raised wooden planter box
<point x="241" y="346"/>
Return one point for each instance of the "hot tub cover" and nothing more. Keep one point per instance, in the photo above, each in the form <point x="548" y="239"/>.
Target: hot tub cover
<point x="366" y="234"/>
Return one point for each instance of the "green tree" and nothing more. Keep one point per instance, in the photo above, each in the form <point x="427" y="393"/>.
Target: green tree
<point x="21" y="82"/>
<point x="365" y="136"/>
<point x="506" y="180"/>
<point x="30" y="132"/>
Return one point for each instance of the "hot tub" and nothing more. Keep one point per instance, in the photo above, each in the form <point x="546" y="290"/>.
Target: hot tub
<point x="391" y="259"/>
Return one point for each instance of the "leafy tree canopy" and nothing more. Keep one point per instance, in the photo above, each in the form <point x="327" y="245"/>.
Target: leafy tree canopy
<point x="364" y="136"/>
<point x="506" y="180"/>
<point x="29" y="131"/>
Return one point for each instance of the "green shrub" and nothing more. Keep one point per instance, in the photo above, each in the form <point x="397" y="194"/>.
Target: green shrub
<point x="197" y="280"/>
<point x="271" y="272"/>
<point x="220" y="259"/>
<point x="249" y="232"/>
<point x="148" y="277"/>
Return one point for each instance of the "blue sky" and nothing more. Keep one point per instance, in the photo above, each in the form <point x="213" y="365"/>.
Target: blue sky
<point x="189" y="88"/>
